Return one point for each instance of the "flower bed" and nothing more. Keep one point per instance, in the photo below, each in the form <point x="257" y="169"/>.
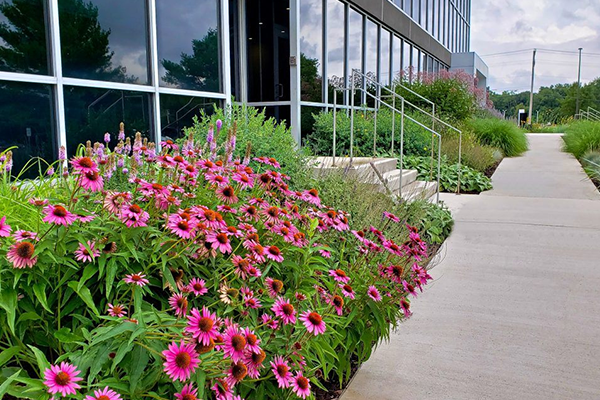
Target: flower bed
<point x="188" y="274"/>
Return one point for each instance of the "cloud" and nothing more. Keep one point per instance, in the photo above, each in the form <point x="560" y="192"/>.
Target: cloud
<point x="509" y="25"/>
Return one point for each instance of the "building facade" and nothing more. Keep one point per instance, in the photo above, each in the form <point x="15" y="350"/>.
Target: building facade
<point x="71" y="70"/>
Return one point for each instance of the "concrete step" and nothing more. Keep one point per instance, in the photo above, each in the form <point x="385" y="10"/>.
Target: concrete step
<point x="360" y="166"/>
<point x="419" y="190"/>
<point x="392" y="179"/>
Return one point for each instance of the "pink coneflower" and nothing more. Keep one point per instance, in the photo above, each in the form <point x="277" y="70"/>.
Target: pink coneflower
<point x="227" y="195"/>
<point x="254" y="362"/>
<point x="339" y="275"/>
<point x="202" y="326"/>
<point x="241" y="266"/>
<point x="273" y="253"/>
<point x="252" y="341"/>
<point x="220" y="241"/>
<point x="337" y="302"/>
<point x="62" y="379"/>
<point x="234" y="343"/>
<point x="21" y="235"/>
<point x="115" y="200"/>
<point x="347" y="290"/>
<point x="5" y="229"/>
<point x="179" y="304"/>
<point x="217" y="179"/>
<point x="245" y="181"/>
<point x="272" y="214"/>
<point x="269" y="321"/>
<point x="92" y="181"/>
<point x="301" y="385"/>
<point x="252" y="302"/>
<point x="21" y="255"/>
<point x="83" y="254"/>
<point x="150" y="189"/>
<point x="281" y="370"/>
<point x="138" y="279"/>
<point x="395" y="273"/>
<point x="312" y="196"/>
<point x="374" y="293"/>
<point x="85" y="218"/>
<point x="222" y="390"/>
<point x="285" y="310"/>
<point x="391" y="216"/>
<point x="134" y="216"/>
<point x="197" y="286"/>
<point x="116" y="310"/>
<point x="104" y="394"/>
<point x="250" y="212"/>
<point x="38" y="202"/>
<point x="392" y="247"/>
<point x="405" y="305"/>
<point x="236" y="373"/>
<point x="409" y="288"/>
<point x="274" y="287"/>
<point x="84" y="164"/>
<point x="313" y="322"/>
<point x="258" y="251"/>
<point x="59" y="215"/>
<point x="181" y="361"/>
<point x="187" y="393"/>
<point x="181" y="227"/>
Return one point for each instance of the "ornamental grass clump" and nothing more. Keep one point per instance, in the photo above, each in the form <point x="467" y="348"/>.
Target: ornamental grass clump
<point x="129" y="272"/>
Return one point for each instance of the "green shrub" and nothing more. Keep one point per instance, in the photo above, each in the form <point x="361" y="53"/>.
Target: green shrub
<point x="581" y="137"/>
<point x="591" y="163"/>
<point x="417" y="141"/>
<point x="263" y="135"/>
<point x="501" y="134"/>
<point x="543" y="128"/>
<point x="471" y="181"/>
<point x="435" y="221"/>
<point x="474" y="155"/>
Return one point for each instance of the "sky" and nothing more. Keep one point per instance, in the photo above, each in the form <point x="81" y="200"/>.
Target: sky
<point x="499" y="26"/>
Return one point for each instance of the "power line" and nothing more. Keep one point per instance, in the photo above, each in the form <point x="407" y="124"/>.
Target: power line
<point x="507" y="52"/>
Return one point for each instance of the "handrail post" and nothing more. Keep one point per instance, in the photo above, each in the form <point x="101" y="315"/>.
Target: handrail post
<point x="334" y="122"/>
<point x="439" y="168"/>
<point x="459" y="160"/>
<point x="393" y="123"/>
<point x="352" y="118"/>
<point x="375" y="122"/>
<point x="401" y="148"/>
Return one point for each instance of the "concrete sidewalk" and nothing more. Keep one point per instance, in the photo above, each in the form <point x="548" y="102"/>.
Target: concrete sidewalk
<point x="514" y="311"/>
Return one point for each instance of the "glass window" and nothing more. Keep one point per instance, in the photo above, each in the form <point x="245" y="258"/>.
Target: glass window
<point x="335" y="45"/>
<point x="90" y="112"/>
<point x="178" y="112"/>
<point x="406" y="60"/>
<point x="416" y="10"/>
<point x="396" y="57"/>
<point x="23" y="37"/>
<point x="308" y="122"/>
<point x="355" y="29"/>
<point x="429" y="64"/>
<point x="384" y="73"/>
<point x="371" y="49"/>
<point x="268" y="49"/>
<point x="104" y="40"/>
<point x="311" y="50"/>
<point x="280" y="113"/>
<point x="26" y="122"/>
<point x="407" y="7"/>
<point x="189" y="44"/>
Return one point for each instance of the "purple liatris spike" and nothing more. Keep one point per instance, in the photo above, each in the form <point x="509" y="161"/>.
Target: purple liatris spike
<point x="107" y="138"/>
<point x="62" y="153"/>
<point x="232" y="142"/>
<point x="219" y="125"/>
<point x="210" y="137"/>
<point x="120" y="162"/>
<point x="50" y="171"/>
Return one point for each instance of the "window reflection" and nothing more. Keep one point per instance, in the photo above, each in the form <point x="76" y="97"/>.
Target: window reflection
<point x="104" y="40"/>
<point x="26" y="122"/>
<point x="371" y="50"/>
<point x="335" y="46"/>
<point x="396" y="57"/>
<point x="355" y="32"/>
<point x="178" y="112"/>
<point x="384" y="73"/>
<point x="311" y="50"/>
<point x="189" y="44"/>
<point x="23" y="36"/>
<point x="91" y="112"/>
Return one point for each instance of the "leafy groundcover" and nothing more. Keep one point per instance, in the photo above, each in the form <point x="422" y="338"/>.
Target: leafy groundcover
<point x="132" y="273"/>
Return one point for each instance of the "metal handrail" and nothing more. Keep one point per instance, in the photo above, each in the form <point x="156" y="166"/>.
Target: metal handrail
<point x="432" y="115"/>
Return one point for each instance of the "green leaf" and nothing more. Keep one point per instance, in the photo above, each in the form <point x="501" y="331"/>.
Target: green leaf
<point x="101" y="358"/>
<point x="88" y="272"/>
<point x="114" y="331"/>
<point x="124" y="349"/>
<point x="111" y="272"/>
<point x="28" y="316"/>
<point x="8" y="301"/>
<point x="42" y="361"/>
<point x="4" y="386"/>
<point x="8" y="354"/>
<point x="85" y="295"/>
<point x="139" y="361"/>
<point x="65" y="336"/>
<point x="39" y="289"/>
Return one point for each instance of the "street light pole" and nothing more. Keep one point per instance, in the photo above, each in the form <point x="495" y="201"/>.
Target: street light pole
<point x="577" y="104"/>
<point x="529" y="116"/>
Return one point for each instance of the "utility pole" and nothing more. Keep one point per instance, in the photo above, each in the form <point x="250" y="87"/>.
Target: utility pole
<point x="529" y="116"/>
<point x="577" y="104"/>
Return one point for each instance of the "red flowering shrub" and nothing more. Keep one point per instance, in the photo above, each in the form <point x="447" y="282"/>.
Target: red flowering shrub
<point x="188" y="274"/>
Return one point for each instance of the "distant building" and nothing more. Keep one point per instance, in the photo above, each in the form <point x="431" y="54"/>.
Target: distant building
<point x="71" y="70"/>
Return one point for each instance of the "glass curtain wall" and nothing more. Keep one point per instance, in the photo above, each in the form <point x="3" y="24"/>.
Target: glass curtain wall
<point x="105" y="68"/>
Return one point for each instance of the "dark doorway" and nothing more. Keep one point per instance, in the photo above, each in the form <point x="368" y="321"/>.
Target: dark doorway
<point x="268" y="46"/>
